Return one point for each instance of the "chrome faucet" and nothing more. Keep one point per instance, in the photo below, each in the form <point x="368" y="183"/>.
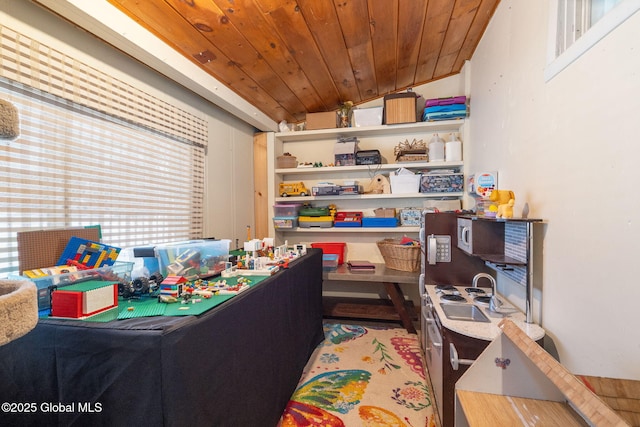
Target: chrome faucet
<point x="494" y="302"/>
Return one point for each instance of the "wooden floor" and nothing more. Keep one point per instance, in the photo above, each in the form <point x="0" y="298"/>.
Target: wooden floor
<point x="623" y="396"/>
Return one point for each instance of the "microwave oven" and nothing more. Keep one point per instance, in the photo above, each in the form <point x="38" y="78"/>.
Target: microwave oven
<point x="476" y="236"/>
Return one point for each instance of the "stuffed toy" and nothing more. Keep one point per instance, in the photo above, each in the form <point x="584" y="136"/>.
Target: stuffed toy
<point x="501" y="197"/>
<point x="505" y="210"/>
<point x="379" y="185"/>
<point x="505" y="200"/>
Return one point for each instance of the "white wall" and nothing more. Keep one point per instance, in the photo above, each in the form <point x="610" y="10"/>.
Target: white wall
<point x="569" y="148"/>
<point x="229" y="184"/>
<point x="229" y="197"/>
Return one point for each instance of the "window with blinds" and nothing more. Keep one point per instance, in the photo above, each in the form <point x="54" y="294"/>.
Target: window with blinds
<point x="91" y="150"/>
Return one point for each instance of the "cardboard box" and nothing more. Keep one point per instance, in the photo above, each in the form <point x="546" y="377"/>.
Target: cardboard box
<point x="385" y="212"/>
<point x="345" y="153"/>
<point x="286" y="162"/>
<point x="442" y="205"/>
<point x="400" y="108"/>
<point x="324" y="120"/>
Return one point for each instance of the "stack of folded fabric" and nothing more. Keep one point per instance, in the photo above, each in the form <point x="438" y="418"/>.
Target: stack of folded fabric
<point x="445" y="108"/>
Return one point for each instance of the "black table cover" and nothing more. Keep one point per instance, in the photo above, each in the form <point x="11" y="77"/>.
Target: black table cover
<point x="236" y="365"/>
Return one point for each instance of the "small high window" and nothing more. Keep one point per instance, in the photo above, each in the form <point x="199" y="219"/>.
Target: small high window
<point x="577" y="25"/>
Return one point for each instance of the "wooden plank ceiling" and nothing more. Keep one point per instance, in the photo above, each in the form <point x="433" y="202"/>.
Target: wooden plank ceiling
<point x="290" y="57"/>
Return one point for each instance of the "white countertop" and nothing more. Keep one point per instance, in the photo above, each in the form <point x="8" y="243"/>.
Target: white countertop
<point x="483" y="330"/>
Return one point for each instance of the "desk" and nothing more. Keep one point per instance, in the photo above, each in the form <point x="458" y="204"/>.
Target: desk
<point x="391" y="279"/>
<point x="236" y="365"/>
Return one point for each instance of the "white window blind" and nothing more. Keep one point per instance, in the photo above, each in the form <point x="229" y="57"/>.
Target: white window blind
<point x="93" y="150"/>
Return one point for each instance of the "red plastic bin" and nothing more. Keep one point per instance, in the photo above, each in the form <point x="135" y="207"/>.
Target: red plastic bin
<point x="336" y="248"/>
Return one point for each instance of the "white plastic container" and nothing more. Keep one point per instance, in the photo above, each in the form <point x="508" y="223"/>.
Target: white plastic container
<point x="436" y="149"/>
<point x="193" y="258"/>
<point x="405" y="184"/>
<point x="453" y="149"/>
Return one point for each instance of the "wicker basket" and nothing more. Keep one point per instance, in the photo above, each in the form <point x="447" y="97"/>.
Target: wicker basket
<point x="284" y="162"/>
<point x="400" y="257"/>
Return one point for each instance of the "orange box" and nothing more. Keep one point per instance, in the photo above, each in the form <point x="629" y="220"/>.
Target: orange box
<point x="324" y="120"/>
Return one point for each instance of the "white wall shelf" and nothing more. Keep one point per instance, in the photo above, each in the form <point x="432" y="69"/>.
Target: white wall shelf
<point x="317" y="146"/>
<point x="332" y="170"/>
<point x="371" y="131"/>
<point x="369" y="197"/>
<point x="376" y="230"/>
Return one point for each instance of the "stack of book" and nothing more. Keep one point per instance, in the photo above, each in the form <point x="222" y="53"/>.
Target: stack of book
<point x="361" y="267"/>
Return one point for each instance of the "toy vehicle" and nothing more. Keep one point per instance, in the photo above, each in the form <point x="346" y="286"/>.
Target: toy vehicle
<point x="140" y="286"/>
<point x="292" y="189"/>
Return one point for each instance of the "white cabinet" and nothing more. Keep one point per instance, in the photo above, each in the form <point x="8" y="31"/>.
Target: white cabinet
<point x="317" y="146"/>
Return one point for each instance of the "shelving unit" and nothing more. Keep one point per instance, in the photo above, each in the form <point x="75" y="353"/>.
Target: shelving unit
<point x="318" y="146"/>
<point x="368" y="196"/>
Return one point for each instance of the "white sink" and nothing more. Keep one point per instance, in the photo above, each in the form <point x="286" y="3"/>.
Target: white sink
<point x="466" y="312"/>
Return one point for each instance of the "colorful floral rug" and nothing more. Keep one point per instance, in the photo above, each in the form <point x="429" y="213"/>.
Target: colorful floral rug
<point x="363" y="376"/>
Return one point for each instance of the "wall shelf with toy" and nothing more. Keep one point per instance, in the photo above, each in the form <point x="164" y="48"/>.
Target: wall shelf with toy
<point x="365" y="197"/>
<point x="333" y="170"/>
<point x="314" y="162"/>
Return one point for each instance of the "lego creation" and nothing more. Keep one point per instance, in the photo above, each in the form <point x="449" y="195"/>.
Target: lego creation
<point x="86" y="254"/>
<point x="84" y="299"/>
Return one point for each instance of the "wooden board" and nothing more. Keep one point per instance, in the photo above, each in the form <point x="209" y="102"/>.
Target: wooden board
<point x="261" y="206"/>
<point x="514" y="366"/>
<point x="483" y="409"/>
<point x="42" y="248"/>
<point x="623" y="396"/>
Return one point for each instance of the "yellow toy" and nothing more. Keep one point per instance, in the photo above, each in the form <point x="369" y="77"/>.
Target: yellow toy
<point x="505" y="200"/>
<point x="506" y="210"/>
